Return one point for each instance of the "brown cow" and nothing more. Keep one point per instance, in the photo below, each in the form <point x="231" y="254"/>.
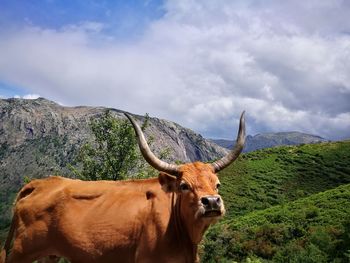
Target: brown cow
<point x="154" y="220"/>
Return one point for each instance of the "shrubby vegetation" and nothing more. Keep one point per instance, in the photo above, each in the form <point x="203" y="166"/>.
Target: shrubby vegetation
<point x="312" y="229"/>
<point x="269" y="177"/>
<point x="278" y="210"/>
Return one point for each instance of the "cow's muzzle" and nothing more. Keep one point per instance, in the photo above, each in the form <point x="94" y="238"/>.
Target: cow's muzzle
<point x="213" y="206"/>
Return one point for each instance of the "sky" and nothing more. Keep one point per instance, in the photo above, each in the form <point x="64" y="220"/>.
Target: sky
<point x="199" y="63"/>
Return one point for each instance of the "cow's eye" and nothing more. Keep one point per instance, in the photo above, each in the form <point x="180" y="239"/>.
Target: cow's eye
<point x="184" y="187"/>
<point x="218" y="186"/>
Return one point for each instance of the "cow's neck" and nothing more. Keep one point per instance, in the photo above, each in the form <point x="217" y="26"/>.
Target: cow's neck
<point x="186" y="236"/>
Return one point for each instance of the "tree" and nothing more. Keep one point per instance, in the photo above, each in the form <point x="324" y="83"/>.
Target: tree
<point x="114" y="154"/>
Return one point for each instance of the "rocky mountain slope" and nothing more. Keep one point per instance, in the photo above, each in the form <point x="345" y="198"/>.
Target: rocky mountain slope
<point x="31" y="127"/>
<point x="267" y="140"/>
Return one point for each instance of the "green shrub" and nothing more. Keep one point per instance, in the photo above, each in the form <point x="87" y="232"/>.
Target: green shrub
<point x="313" y="229"/>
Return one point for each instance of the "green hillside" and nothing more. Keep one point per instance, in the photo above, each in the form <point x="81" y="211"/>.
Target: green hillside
<point x="268" y="177"/>
<point x="285" y="204"/>
<point x="312" y="229"/>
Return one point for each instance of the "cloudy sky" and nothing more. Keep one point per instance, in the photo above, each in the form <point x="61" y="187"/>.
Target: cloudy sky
<point x="197" y="62"/>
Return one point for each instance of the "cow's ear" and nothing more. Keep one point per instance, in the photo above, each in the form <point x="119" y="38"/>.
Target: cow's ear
<point x="167" y="182"/>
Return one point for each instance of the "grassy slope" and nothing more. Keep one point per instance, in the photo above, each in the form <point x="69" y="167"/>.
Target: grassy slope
<point x="264" y="221"/>
<point x="268" y="177"/>
<point x="315" y="227"/>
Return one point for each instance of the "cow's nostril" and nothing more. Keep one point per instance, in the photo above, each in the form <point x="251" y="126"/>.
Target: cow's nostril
<point x="218" y="200"/>
<point x="205" y="201"/>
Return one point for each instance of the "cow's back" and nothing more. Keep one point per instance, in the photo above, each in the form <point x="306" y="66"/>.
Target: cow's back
<point x="86" y="221"/>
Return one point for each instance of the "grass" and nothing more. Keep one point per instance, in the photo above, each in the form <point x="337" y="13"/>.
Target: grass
<point x="320" y="223"/>
<point x="285" y="204"/>
<point x="269" y="177"/>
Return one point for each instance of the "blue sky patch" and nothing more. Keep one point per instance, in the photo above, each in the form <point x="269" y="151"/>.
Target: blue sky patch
<point x="8" y="90"/>
<point x="123" y="19"/>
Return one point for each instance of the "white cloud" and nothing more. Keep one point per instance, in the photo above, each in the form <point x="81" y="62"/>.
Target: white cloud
<point x="27" y="96"/>
<point x="201" y="65"/>
<point x="31" y="96"/>
<point x="86" y="26"/>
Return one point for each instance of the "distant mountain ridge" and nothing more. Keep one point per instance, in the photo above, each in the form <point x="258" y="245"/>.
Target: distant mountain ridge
<point x="268" y="140"/>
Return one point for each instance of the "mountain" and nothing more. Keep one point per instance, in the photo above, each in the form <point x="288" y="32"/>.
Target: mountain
<point x="267" y="140"/>
<point x="43" y="132"/>
<point x="23" y="121"/>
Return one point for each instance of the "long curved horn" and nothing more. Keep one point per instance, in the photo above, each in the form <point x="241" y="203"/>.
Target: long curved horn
<point x="158" y="164"/>
<point x="229" y="158"/>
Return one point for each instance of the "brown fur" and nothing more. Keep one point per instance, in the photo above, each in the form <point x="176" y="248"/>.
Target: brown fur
<point x="2" y="255"/>
<point x="107" y="221"/>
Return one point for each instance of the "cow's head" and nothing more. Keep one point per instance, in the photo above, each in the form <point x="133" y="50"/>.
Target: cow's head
<point x="196" y="184"/>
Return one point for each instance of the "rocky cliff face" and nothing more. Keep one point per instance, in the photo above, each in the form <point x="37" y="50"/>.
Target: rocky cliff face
<point x="37" y="134"/>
